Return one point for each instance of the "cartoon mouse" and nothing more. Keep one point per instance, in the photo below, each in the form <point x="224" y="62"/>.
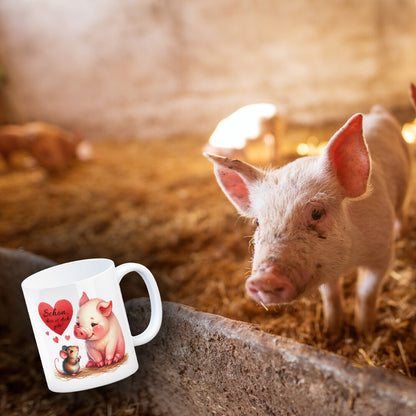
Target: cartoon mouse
<point x="70" y="365"/>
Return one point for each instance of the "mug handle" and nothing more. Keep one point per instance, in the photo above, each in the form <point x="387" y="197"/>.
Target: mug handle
<point x="155" y="302"/>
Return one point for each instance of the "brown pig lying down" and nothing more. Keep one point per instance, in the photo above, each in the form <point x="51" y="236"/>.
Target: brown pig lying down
<point x="52" y="147"/>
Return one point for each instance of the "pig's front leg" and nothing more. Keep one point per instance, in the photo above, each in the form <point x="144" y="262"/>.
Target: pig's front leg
<point x="120" y="349"/>
<point x="333" y="304"/>
<point x="109" y="353"/>
<point x="115" y="350"/>
<point x="96" y="358"/>
<point x="368" y="289"/>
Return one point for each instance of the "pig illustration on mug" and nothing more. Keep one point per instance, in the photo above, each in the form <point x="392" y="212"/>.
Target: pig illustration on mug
<point x="99" y="327"/>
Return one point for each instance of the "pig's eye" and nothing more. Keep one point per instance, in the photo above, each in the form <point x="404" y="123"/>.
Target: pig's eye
<point x="93" y="324"/>
<point x="317" y="213"/>
<point x="256" y="221"/>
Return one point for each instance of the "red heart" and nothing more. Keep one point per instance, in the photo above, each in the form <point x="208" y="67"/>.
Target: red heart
<point x="67" y="337"/>
<point x="56" y="339"/>
<point x="58" y="317"/>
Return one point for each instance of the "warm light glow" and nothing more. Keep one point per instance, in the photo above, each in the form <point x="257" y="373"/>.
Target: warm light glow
<point x="242" y="125"/>
<point x="302" y="149"/>
<point x="321" y="147"/>
<point x="312" y="147"/>
<point x="409" y="132"/>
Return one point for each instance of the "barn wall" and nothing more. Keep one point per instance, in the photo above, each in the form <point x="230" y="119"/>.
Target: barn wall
<point x="151" y="68"/>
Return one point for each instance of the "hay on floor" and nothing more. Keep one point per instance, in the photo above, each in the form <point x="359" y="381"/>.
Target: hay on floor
<point x="157" y="203"/>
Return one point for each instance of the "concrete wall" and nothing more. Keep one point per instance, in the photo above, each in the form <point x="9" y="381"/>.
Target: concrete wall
<point x="203" y="364"/>
<point x="151" y="68"/>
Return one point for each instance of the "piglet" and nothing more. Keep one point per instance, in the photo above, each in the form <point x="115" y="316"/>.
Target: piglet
<point x="52" y="147"/>
<point x="319" y="217"/>
<point x="99" y="327"/>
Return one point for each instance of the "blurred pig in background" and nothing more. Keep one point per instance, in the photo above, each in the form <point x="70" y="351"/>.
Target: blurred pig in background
<point x="254" y="122"/>
<point x="52" y="147"/>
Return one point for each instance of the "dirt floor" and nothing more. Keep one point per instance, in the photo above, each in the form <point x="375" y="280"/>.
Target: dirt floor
<point x="157" y="203"/>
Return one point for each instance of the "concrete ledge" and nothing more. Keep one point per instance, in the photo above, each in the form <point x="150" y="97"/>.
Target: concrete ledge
<point x="203" y="364"/>
<point x="15" y="266"/>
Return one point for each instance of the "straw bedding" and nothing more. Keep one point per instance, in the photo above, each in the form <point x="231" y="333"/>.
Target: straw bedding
<point x="157" y="203"/>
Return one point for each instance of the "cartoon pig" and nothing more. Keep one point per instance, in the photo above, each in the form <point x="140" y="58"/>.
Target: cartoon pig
<point x="321" y="216"/>
<point x="99" y="327"/>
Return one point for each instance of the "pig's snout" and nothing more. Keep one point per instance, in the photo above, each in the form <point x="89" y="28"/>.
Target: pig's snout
<point x="269" y="286"/>
<point x="81" y="332"/>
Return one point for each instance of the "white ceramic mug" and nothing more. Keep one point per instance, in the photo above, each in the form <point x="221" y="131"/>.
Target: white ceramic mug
<point x="80" y="323"/>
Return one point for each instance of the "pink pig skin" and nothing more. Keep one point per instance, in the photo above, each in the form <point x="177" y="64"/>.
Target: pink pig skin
<point x="99" y="327"/>
<point x="320" y="217"/>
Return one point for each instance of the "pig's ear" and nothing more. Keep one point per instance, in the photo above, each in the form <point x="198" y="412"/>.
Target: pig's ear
<point x="105" y="307"/>
<point x="413" y="94"/>
<point x="84" y="299"/>
<point x="235" y="178"/>
<point x="347" y="155"/>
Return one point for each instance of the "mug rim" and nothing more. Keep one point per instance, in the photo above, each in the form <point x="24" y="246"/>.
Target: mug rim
<point x="43" y="278"/>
